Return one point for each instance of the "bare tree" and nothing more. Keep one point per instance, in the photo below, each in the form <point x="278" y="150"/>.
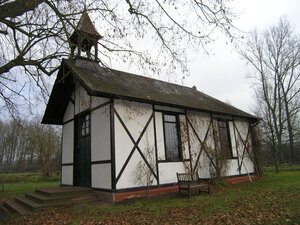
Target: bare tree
<point x="274" y="56"/>
<point x="26" y="143"/>
<point x="34" y="36"/>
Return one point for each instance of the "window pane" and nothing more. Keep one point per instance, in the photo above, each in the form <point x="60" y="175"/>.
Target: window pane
<point x="170" y="118"/>
<point x="171" y="140"/>
<point x="84" y="125"/>
<point x="225" y="139"/>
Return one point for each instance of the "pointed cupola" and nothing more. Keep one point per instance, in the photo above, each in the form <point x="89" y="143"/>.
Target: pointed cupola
<point x="84" y="37"/>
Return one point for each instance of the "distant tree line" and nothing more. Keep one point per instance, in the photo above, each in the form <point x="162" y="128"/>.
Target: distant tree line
<point x="29" y="146"/>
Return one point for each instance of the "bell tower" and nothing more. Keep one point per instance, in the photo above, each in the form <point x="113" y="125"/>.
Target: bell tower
<point x="84" y="37"/>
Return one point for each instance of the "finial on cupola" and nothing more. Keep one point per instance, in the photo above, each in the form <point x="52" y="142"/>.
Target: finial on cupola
<point x="84" y="37"/>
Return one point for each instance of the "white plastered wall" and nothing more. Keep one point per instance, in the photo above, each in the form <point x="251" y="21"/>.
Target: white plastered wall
<point x="184" y="137"/>
<point x="168" y="170"/>
<point x="82" y="99"/>
<point x="100" y="144"/>
<point x="100" y="138"/>
<point x="100" y="134"/>
<point x="101" y="176"/>
<point x="135" y="116"/>
<point x="242" y="127"/>
<point x="69" y="113"/>
<point x="68" y="145"/>
<point x="201" y="124"/>
<point x="159" y="136"/>
<point x="68" y="142"/>
<point x="67" y="175"/>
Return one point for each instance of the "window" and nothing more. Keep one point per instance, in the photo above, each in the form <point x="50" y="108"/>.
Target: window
<point x="171" y="131"/>
<point x="84" y="125"/>
<point x="225" y="140"/>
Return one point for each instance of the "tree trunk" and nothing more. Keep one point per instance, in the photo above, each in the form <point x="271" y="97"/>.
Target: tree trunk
<point x="275" y="159"/>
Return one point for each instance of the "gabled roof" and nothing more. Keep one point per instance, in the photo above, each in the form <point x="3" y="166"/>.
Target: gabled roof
<point x="99" y="81"/>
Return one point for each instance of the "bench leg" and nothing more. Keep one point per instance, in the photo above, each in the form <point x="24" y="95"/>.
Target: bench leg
<point x="189" y="193"/>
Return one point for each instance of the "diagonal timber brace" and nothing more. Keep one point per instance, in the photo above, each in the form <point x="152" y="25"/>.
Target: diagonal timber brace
<point x="135" y="147"/>
<point x="202" y="144"/>
<point x="245" y="145"/>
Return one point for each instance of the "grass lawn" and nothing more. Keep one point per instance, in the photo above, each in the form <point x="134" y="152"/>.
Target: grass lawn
<point x="21" y="183"/>
<point x="13" y="189"/>
<point x="273" y="200"/>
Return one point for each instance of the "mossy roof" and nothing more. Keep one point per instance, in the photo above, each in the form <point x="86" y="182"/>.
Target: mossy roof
<point x="99" y="81"/>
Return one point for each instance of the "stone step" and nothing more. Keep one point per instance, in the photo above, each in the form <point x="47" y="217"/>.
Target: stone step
<point x="44" y="199"/>
<point x="14" y="207"/>
<point x="27" y="203"/>
<point x="4" y="211"/>
<point x="33" y="205"/>
<point x="63" y="191"/>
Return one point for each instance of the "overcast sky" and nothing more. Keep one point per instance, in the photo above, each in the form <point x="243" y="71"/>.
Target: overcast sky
<point x="223" y="73"/>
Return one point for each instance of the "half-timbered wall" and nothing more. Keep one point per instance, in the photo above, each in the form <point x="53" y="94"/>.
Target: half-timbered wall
<point x="134" y="143"/>
<point x="168" y="169"/>
<point x="204" y="139"/>
<point x="100" y="137"/>
<point x="139" y="143"/>
<point x="244" y="145"/>
<point x="100" y="144"/>
<point x="68" y="144"/>
<point x="200" y="128"/>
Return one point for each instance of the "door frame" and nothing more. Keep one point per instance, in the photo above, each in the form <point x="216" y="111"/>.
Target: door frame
<point x="76" y="142"/>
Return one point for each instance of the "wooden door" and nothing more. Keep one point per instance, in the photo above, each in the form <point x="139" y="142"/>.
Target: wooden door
<point x="82" y="151"/>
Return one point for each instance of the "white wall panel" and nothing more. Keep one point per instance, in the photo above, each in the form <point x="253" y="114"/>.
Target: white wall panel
<point x="242" y="126"/>
<point x="82" y="99"/>
<point x="129" y="178"/>
<point x="247" y="166"/>
<point x="96" y="101"/>
<point x="232" y="168"/>
<point x="147" y="146"/>
<point x="160" y="136"/>
<point x="135" y="115"/>
<point x="67" y="175"/>
<point x="200" y="123"/>
<point x="69" y="113"/>
<point x="184" y="137"/>
<point x="123" y="145"/>
<point x="68" y="142"/>
<point x="101" y="176"/>
<point x="100" y="134"/>
<point x="167" y="171"/>
<point x="232" y="138"/>
<point x="204" y="166"/>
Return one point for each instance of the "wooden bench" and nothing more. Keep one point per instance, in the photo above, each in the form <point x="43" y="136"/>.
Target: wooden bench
<point x="191" y="181"/>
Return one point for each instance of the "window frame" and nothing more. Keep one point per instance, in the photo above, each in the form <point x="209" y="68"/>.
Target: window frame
<point x="230" y="156"/>
<point x="178" y="133"/>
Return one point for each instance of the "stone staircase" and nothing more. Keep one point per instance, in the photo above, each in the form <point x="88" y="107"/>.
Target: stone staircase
<point x="46" y="198"/>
